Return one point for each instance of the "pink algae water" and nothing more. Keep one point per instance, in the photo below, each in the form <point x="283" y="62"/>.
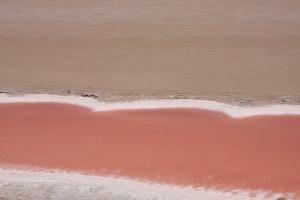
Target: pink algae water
<point x="174" y="146"/>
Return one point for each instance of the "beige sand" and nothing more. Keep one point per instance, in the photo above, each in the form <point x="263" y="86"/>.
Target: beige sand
<point x="190" y="48"/>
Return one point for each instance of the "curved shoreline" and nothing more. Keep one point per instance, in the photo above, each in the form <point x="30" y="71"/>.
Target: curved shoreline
<point x="97" y="106"/>
<point x="236" y="99"/>
<point x="62" y="185"/>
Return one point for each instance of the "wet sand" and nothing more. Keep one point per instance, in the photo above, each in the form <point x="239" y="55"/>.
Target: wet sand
<point x="174" y="146"/>
<point x="151" y="48"/>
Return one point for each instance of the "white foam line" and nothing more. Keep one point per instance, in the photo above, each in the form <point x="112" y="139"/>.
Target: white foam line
<point x="233" y="111"/>
<point x="61" y="185"/>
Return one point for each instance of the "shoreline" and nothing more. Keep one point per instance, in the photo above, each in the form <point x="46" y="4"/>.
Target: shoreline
<point x="61" y="185"/>
<point x="98" y="106"/>
<point x="115" y="96"/>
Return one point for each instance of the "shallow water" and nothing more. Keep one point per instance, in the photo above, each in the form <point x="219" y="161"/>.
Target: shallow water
<point x="175" y="146"/>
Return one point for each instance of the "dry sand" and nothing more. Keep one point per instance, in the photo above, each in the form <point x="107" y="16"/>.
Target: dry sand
<point x="152" y="49"/>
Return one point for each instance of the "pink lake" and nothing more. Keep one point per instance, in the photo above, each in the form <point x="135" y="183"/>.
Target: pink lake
<point x="174" y="146"/>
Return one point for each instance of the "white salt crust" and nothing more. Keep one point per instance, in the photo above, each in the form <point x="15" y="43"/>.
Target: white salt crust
<point x="233" y="111"/>
<point x="36" y="184"/>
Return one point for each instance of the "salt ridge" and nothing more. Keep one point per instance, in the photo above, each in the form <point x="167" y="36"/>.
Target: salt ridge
<point x="97" y="106"/>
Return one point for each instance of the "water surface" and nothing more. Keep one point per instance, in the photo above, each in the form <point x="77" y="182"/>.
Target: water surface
<point x="175" y="146"/>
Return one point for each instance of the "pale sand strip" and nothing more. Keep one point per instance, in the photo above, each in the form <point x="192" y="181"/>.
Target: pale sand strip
<point x="26" y="184"/>
<point x="233" y="111"/>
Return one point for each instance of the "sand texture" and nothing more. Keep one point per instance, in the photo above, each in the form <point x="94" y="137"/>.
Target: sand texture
<point x="20" y="185"/>
<point x="152" y="49"/>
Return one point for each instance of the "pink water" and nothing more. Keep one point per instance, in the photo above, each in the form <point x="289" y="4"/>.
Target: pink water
<point x="176" y="146"/>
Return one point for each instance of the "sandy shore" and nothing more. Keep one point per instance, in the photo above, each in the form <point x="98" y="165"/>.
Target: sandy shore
<point x="19" y="184"/>
<point x="235" y="100"/>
